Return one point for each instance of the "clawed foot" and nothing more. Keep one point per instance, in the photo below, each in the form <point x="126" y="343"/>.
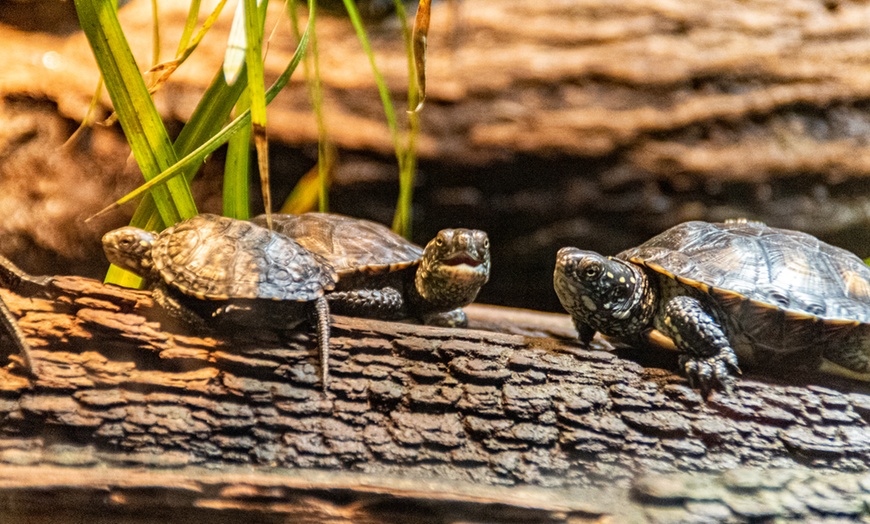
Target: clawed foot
<point x="453" y="319"/>
<point x="714" y="372"/>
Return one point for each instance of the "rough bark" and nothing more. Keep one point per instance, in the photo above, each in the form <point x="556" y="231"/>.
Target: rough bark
<point x="118" y="385"/>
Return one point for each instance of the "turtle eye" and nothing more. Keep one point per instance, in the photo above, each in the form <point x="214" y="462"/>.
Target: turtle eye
<point x="591" y="270"/>
<point x="486" y="243"/>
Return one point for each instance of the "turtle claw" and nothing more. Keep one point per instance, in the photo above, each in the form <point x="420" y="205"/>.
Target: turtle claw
<point x="709" y="373"/>
<point x="452" y="319"/>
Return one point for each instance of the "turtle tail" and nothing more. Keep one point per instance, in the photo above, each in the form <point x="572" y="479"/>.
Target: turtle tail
<point x="321" y="307"/>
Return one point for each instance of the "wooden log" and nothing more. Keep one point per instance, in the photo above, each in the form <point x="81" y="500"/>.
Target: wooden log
<point x="117" y="378"/>
<point x="230" y="494"/>
<point x="515" y="424"/>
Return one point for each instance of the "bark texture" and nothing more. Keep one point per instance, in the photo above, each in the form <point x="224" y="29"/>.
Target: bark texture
<point x="419" y="423"/>
<point x="117" y="383"/>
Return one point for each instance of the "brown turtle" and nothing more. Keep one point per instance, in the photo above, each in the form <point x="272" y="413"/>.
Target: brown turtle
<point x="382" y="275"/>
<point x="213" y="269"/>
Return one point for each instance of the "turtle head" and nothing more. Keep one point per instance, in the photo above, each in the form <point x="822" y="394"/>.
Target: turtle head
<point x="130" y="248"/>
<point x="603" y="294"/>
<point x="453" y="268"/>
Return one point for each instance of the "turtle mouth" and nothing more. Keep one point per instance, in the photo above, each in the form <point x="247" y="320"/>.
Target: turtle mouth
<point x="461" y="258"/>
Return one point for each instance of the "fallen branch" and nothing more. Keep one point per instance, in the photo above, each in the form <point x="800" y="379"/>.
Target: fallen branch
<point x="472" y="405"/>
<point x="432" y="416"/>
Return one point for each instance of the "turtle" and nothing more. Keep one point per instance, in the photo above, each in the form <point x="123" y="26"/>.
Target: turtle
<point x="384" y="276"/>
<point x="738" y="292"/>
<point x="221" y="271"/>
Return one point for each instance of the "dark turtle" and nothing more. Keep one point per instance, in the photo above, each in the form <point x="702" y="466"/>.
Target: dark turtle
<point x="227" y="270"/>
<point x="775" y="298"/>
<point x="382" y="275"/>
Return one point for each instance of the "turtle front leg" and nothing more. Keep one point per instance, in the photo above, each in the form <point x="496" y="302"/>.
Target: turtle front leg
<point x="176" y="309"/>
<point x="384" y="304"/>
<point x="585" y="332"/>
<point x="455" y="318"/>
<point x="706" y="355"/>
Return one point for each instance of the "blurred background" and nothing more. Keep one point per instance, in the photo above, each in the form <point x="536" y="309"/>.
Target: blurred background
<point x="564" y="122"/>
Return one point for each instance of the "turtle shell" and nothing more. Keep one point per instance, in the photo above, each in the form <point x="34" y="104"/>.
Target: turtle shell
<point x="352" y="246"/>
<point x="218" y="258"/>
<point x="748" y="262"/>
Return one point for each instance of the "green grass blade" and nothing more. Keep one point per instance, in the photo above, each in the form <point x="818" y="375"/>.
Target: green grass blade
<point x="189" y="26"/>
<point x="210" y="115"/>
<point x="208" y="118"/>
<point x="405" y="155"/>
<point x="383" y="90"/>
<point x="135" y="109"/>
<point x="254" y="62"/>
<point x="198" y="155"/>
<point x="324" y="160"/>
<point x="237" y="166"/>
<point x="300" y="199"/>
<point x="257" y="92"/>
<point x="408" y="154"/>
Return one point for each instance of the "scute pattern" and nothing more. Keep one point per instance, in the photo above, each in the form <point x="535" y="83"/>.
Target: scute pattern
<point x="787" y="269"/>
<point x="215" y="258"/>
<point x="350" y="245"/>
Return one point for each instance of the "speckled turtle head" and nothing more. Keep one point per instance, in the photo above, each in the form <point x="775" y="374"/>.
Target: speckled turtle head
<point x="454" y="266"/>
<point x="130" y="249"/>
<point x="602" y="294"/>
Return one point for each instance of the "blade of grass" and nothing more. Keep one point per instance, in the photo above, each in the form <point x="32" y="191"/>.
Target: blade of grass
<point x="237" y="41"/>
<point x="405" y="155"/>
<point x="142" y="125"/>
<point x="197" y="155"/>
<point x="189" y="26"/>
<point x="324" y="161"/>
<point x="324" y="148"/>
<point x="208" y="118"/>
<point x="304" y="196"/>
<point x="236" y="168"/>
<point x="257" y="92"/>
<point x="408" y="163"/>
<point x="89" y="116"/>
<point x="383" y="90"/>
